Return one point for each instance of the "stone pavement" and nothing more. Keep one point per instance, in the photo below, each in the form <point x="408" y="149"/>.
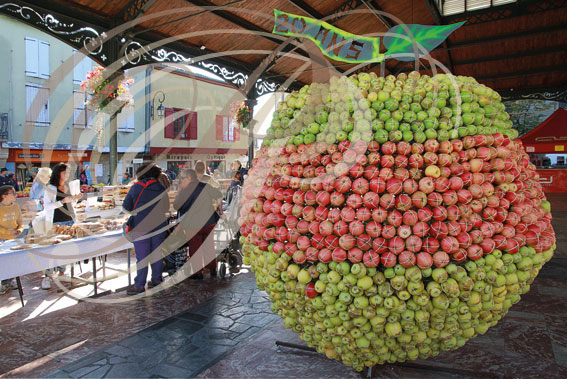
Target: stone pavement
<point x="185" y="344"/>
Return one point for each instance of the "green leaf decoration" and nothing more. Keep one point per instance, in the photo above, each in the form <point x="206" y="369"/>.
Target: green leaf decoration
<point x="406" y="40"/>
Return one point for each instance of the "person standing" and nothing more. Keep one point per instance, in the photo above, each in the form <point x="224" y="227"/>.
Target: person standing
<point x="10" y="225"/>
<point x="203" y="199"/>
<point x="11" y="181"/>
<point x="125" y="178"/>
<point x="58" y="205"/>
<point x="236" y="167"/>
<point x="148" y="203"/>
<point x="200" y="169"/>
<point x="3" y="176"/>
<point x="58" y="201"/>
<point x="83" y="178"/>
<point x="39" y="185"/>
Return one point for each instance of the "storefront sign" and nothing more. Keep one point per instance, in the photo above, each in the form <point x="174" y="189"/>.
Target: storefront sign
<point x="559" y="148"/>
<point x="39" y="156"/>
<point x="404" y="42"/>
<point x="216" y="157"/>
<point x="137" y="160"/>
<point x="179" y="157"/>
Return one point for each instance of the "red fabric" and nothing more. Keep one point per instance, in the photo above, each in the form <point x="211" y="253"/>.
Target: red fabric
<point x="219" y="120"/>
<point x="550" y="136"/>
<point x="168" y="131"/>
<point x="192" y="121"/>
<point x="201" y="238"/>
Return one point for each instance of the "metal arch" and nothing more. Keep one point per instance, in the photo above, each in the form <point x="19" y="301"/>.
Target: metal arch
<point x="553" y="94"/>
<point x="79" y="35"/>
<point x="93" y="40"/>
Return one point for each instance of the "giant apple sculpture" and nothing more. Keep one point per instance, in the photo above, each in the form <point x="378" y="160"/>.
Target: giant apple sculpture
<point x="390" y="219"/>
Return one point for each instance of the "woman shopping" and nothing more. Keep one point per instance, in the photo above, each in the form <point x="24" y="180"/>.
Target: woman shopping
<point x="39" y="185"/>
<point x="195" y="203"/>
<point x="10" y="225"/>
<point x="58" y="204"/>
<point x="148" y="203"/>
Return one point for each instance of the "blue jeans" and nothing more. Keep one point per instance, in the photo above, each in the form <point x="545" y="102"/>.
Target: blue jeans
<point x="144" y="248"/>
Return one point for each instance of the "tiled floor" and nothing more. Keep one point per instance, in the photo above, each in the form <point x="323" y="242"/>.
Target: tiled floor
<point x="224" y="328"/>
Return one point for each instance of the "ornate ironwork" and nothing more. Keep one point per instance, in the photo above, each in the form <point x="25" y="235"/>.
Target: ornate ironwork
<point x="95" y="41"/>
<point x="263" y="87"/>
<point x="79" y="36"/>
<point x="554" y="94"/>
<point x="237" y="78"/>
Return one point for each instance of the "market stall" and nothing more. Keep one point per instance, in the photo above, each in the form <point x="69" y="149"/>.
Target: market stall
<point x="97" y="232"/>
<point x="547" y="146"/>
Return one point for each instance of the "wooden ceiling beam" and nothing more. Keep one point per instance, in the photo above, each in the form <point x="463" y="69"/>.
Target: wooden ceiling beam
<point x="506" y="37"/>
<point x="529" y="53"/>
<point x="306" y="8"/>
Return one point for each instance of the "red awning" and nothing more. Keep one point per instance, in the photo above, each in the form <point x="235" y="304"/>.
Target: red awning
<point x="550" y="136"/>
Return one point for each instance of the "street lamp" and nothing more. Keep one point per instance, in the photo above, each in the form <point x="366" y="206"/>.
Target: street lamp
<point x="160" y="108"/>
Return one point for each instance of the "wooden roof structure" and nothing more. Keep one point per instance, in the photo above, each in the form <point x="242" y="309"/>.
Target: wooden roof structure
<point x="518" y="48"/>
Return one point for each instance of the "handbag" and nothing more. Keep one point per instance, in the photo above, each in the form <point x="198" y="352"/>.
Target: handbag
<point x="127" y="227"/>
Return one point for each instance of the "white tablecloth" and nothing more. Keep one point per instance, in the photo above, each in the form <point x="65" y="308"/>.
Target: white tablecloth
<point x="21" y="262"/>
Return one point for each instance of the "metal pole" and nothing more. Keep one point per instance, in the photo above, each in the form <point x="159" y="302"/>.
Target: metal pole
<point x="250" y="103"/>
<point x="113" y="147"/>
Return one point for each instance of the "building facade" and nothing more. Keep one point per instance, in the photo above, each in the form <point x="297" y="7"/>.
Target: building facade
<point x="44" y="120"/>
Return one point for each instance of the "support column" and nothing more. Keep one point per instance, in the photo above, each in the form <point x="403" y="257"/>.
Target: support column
<point x="251" y="103"/>
<point x="113" y="147"/>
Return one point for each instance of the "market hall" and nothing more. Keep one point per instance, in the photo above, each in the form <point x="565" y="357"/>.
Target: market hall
<point x="299" y="196"/>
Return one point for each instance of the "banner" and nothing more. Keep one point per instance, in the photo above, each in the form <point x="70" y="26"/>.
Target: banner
<point x="404" y="42"/>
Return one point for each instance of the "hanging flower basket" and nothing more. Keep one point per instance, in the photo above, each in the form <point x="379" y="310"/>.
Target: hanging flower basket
<point x="241" y="114"/>
<point x="105" y="95"/>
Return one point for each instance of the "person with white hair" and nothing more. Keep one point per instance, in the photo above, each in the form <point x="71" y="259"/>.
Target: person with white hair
<point x="39" y="185"/>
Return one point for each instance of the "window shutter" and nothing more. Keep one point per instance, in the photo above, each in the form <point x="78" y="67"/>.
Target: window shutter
<point x="44" y="60"/>
<point x="230" y="128"/>
<point x="219" y="120"/>
<point x="31" y="92"/>
<point x="236" y="133"/>
<point x="32" y="60"/>
<point x="37" y="105"/>
<point x="44" y="104"/>
<point x="192" y="125"/>
<point x="168" y="131"/>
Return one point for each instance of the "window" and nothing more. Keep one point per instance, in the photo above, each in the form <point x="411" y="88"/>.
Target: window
<point x="80" y="117"/>
<point x="126" y="120"/>
<point x="227" y="131"/>
<point x="83" y="65"/>
<point x="37" y="58"/>
<point x="180" y="124"/>
<point x="37" y="105"/>
<point x="451" y="7"/>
